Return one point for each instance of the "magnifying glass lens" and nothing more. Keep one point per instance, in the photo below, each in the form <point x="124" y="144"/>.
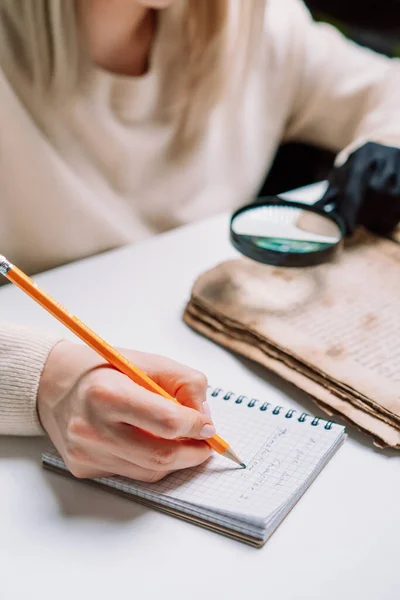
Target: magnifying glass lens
<point x="276" y="232"/>
<point x="285" y="245"/>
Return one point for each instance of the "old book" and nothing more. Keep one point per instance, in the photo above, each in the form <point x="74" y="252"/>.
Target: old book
<point x="332" y="330"/>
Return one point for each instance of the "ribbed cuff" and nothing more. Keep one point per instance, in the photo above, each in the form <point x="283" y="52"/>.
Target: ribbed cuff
<point x="23" y="353"/>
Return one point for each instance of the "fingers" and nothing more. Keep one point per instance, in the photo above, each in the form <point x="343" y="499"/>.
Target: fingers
<point x="127" y="469"/>
<point x="192" y="391"/>
<point x="115" y="398"/>
<point x="135" y="446"/>
<point x="80" y="464"/>
<point x="187" y="385"/>
<point x="121" y="428"/>
<point x="129" y="452"/>
<point x="367" y="187"/>
<point x="381" y="208"/>
<point x="351" y="198"/>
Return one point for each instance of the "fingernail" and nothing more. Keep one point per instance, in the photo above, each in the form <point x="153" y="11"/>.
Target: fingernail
<point x="207" y="431"/>
<point x="206" y="409"/>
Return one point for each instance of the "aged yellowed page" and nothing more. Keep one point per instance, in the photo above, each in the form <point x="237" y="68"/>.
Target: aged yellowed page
<point x="337" y="324"/>
<point x="384" y="434"/>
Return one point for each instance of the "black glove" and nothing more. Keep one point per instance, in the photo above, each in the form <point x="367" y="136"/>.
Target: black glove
<point x="366" y="189"/>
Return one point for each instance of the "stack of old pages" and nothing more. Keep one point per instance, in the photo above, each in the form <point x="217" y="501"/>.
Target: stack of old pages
<point x="332" y="330"/>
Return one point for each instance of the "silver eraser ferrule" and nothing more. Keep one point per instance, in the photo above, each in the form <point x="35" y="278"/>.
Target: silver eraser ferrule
<point x="5" y="265"/>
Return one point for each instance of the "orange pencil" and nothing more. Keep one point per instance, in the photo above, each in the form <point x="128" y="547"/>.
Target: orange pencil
<point x="27" y="285"/>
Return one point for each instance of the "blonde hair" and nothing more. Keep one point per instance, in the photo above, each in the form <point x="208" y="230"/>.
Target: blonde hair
<point x="41" y="39"/>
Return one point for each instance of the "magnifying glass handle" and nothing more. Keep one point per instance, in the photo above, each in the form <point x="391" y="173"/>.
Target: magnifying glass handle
<point x="263" y="199"/>
<point x="326" y="203"/>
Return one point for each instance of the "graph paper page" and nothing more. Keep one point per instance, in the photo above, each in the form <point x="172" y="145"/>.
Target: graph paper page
<point x="281" y="454"/>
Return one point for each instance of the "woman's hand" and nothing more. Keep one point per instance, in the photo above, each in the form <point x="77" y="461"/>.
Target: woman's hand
<point x="366" y="189"/>
<point x="104" y="424"/>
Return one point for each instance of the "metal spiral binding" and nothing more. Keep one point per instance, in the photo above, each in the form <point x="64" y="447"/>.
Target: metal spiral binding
<point x="216" y="392"/>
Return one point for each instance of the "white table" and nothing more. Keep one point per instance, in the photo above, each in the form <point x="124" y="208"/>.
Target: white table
<point x="64" y="539"/>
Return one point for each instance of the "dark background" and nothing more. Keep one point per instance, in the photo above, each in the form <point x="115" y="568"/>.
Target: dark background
<point x="371" y="23"/>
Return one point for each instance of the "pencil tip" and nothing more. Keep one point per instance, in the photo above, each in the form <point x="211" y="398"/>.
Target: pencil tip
<point x="229" y="453"/>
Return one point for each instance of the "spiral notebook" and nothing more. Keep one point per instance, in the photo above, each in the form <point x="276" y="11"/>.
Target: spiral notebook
<point x="284" y="451"/>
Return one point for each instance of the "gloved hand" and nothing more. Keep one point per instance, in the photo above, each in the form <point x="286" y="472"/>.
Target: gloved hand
<point x="366" y="189"/>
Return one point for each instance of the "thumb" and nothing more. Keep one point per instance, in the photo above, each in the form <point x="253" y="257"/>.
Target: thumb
<point x="185" y="422"/>
<point x="187" y="385"/>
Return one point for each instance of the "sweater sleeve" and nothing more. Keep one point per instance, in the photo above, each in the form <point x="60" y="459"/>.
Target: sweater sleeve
<point x="342" y="94"/>
<point x="23" y="353"/>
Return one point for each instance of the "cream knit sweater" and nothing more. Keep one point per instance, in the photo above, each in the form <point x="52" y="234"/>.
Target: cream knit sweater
<point x="92" y="174"/>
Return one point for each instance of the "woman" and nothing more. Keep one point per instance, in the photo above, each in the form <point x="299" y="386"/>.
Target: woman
<point x="119" y="120"/>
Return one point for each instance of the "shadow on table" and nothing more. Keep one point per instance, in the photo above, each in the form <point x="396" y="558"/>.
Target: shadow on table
<point x="78" y="498"/>
<point x="16" y="447"/>
<point x="310" y="407"/>
<point x="75" y="498"/>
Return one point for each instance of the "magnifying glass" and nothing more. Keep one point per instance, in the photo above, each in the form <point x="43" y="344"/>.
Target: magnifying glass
<point x="287" y="234"/>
